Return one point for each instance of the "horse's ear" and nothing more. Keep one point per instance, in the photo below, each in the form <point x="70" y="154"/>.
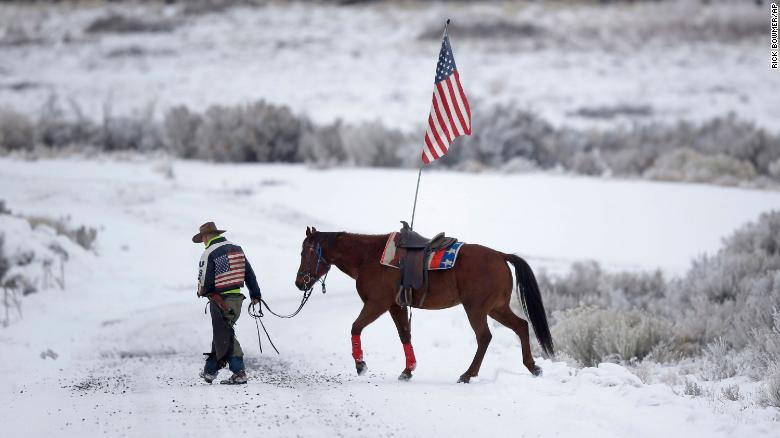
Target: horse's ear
<point x="308" y="231"/>
<point x="313" y="230"/>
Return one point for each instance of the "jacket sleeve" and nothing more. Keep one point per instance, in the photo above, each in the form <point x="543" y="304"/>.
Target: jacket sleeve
<point x="251" y="281"/>
<point x="208" y="282"/>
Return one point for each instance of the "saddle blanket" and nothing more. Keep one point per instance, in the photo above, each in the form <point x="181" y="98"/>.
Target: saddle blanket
<point x="441" y="259"/>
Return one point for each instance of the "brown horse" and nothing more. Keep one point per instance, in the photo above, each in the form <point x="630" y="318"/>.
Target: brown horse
<point x="480" y="280"/>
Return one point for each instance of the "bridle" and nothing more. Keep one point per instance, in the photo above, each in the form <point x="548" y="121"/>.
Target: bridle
<point x="307" y="276"/>
<point x="307" y="281"/>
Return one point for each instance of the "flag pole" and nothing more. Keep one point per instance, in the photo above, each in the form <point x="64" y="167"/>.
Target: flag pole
<point x="419" y="173"/>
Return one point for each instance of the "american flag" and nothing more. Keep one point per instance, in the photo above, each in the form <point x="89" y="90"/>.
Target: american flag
<point x="229" y="269"/>
<point x="450" y="115"/>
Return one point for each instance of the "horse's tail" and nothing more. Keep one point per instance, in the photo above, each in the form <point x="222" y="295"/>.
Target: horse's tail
<point x="531" y="299"/>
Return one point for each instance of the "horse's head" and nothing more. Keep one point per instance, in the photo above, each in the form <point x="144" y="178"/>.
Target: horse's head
<point x="313" y="264"/>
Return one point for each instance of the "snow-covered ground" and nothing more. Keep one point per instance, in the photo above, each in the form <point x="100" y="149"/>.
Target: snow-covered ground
<point x="129" y="331"/>
<point x="362" y="63"/>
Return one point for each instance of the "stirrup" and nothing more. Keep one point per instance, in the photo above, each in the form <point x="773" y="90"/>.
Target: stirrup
<point x="404" y="296"/>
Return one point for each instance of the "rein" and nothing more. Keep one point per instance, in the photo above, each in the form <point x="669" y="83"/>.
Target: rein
<point x="257" y="313"/>
<point x="307" y="278"/>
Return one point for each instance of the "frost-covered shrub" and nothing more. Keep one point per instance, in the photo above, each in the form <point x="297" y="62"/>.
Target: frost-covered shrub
<point x="490" y="30"/>
<point x="180" y="126"/>
<point x="117" y="23"/>
<point x="56" y="128"/>
<point x="587" y="284"/>
<point x="613" y="111"/>
<point x="323" y="145"/>
<point x="774" y="169"/>
<point x="256" y="132"/>
<point x="138" y="133"/>
<point x="645" y="370"/>
<point x="771" y="388"/>
<point x="370" y="144"/>
<point x="501" y="133"/>
<point x="16" y="35"/>
<point x="31" y="260"/>
<point x="592" y="335"/>
<point x="689" y="165"/>
<point x="201" y="7"/>
<point x="737" y="139"/>
<point x="519" y="165"/>
<point x="720" y="362"/>
<point x="4" y="263"/>
<point x="278" y="131"/>
<point x="17" y="132"/>
<point x="764" y="345"/>
<point x="693" y="389"/>
<point x="576" y="333"/>
<point x="726" y="308"/>
<point x="588" y="163"/>
<point x="82" y="235"/>
<point x="732" y="293"/>
<point x="580" y="286"/>
<point x="220" y="138"/>
<point x="731" y="393"/>
<point x="761" y="238"/>
<point x="724" y="150"/>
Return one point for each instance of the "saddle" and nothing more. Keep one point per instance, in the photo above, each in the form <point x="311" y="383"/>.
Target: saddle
<point x="414" y="250"/>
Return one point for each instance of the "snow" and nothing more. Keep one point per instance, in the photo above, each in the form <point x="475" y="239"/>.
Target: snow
<point x="368" y="63"/>
<point x="128" y="330"/>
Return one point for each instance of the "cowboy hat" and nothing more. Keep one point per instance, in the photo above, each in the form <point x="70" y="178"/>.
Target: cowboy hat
<point x="207" y="228"/>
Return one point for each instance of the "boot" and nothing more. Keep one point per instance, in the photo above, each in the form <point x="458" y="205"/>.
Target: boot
<point x="238" y="378"/>
<point x="207" y="377"/>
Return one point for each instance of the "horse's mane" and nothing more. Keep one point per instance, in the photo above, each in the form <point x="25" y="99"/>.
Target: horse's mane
<point x="331" y="234"/>
<point x="364" y="235"/>
<point x="329" y="237"/>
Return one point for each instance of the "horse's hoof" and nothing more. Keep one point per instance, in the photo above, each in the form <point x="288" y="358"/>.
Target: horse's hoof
<point x="361" y="367"/>
<point x="405" y="375"/>
<point x="536" y="371"/>
<point x="464" y="379"/>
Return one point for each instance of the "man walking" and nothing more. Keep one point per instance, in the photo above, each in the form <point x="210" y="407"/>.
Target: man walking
<point x="223" y="271"/>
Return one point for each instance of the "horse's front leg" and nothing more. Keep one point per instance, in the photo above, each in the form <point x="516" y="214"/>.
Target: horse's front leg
<point x="401" y="320"/>
<point x="370" y="312"/>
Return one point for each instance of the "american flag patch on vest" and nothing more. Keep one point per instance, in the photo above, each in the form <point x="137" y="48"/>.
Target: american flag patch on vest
<point x="229" y="269"/>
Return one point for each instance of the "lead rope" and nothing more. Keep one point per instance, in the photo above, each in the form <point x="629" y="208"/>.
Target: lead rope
<point x="257" y="315"/>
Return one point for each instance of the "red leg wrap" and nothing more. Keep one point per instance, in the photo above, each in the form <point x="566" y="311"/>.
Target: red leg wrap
<point x="411" y="362"/>
<point x="357" y="352"/>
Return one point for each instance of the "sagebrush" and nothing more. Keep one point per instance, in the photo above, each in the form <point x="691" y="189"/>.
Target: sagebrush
<point x="725" y="150"/>
<point x="725" y="311"/>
